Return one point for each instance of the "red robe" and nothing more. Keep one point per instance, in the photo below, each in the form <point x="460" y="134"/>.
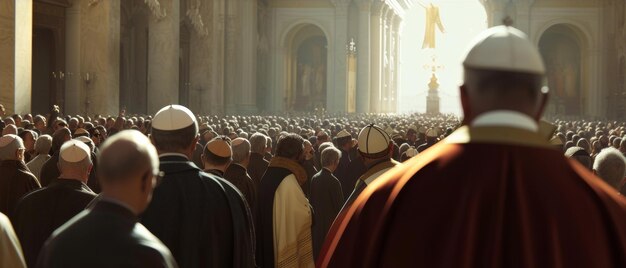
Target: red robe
<point x="484" y="197"/>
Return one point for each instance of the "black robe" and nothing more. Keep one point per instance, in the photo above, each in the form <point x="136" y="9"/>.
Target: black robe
<point x="41" y="212"/>
<point x="238" y="176"/>
<point x="50" y="170"/>
<point x="15" y="182"/>
<point x="309" y="167"/>
<point x="106" y="236"/>
<point x="201" y="218"/>
<point x="326" y="199"/>
<point x="265" y="217"/>
<point x="343" y="173"/>
<point x="257" y="167"/>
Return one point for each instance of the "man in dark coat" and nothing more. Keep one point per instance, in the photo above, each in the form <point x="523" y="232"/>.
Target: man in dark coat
<point x="257" y="165"/>
<point x="200" y="217"/>
<point x="41" y="212"/>
<point x="344" y="144"/>
<point x="108" y="235"/>
<point x="15" y="178"/>
<point x="50" y="170"/>
<point x="237" y="174"/>
<point x="284" y="239"/>
<point x="326" y="197"/>
<point x="494" y="193"/>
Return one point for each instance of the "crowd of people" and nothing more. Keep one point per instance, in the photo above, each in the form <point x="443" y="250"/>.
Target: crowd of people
<point x="492" y="189"/>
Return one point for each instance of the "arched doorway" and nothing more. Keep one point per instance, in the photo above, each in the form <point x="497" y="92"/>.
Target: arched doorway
<point x="307" y="67"/>
<point x="562" y="47"/>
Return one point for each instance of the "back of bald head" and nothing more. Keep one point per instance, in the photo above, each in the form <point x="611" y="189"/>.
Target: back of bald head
<point x="9" y="129"/>
<point x="59" y="137"/>
<point x="125" y="156"/>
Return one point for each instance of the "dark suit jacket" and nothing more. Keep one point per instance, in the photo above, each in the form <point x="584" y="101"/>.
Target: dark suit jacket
<point x="201" y="218"/>
<point x="326" y="200"/>
<point x="15" y="182"/>
<point x="50" y="170"/>
<point x="238" y="176"/>
<point x="41" y="212"/>
<point x="106" y="236"/>
<point x="257" y="167"/>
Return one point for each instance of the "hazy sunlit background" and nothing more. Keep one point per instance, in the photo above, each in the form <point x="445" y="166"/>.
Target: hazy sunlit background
<point x="462" y="20"/>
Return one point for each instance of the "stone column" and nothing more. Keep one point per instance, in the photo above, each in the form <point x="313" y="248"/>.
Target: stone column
<point x="99" y="56"/>
<point x="74" y="95"/>
<point x="215" y="94"/>
<point x="232" y="49"/>
<point x="385" y="61"/>
<point x="246" y="99"/>
<point x="16" y="39"/>
<point x="163" y="56"/>
<point x="336" y="95"/>
<point x="363" y="58"/>
<point x="397" y="25"/>
<point x="376" y="63"/>
<point x="200" y="62"/>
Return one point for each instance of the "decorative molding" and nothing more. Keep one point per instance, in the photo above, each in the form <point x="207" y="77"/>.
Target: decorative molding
<point x="156" y="9"/>
<point x="195" y="18"/>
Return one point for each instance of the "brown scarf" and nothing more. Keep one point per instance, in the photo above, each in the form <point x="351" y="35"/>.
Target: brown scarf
<point x="291" y="165"/>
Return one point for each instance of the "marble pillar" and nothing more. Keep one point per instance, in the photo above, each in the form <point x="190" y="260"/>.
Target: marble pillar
<point x="74" y="95"/>
<point x="384" y="98"/>
<point x="246" y="99"/>
<point x="376" y="56"/>
<point x="232" y="49"/>
<point x="200" y="64"/>
<point x="336" y="95"/>
<point x="363" y="58"/>
<point x="16" y="27"/>
<point x="99" y="56"/>
<point x="397" y="22"/>
<point x="215" y="94"/>
<point x="163" y="56"/>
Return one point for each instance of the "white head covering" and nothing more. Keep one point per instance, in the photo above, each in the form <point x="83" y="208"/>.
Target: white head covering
<point x="74" y="151"/>
<point x="9" y="144"/>
<point x="343" y="133"/>
<point x="432" y="133"/>
<point x="173" y="117"/>
<point x="504" y="48"/>
<point x="373" y="141"/>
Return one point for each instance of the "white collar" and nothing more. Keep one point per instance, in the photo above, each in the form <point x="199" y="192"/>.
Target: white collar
<point x="506" y="118"/>
<point x="173" y="154"/>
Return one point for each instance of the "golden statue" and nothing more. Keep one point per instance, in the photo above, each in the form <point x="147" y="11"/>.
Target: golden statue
<point x="432" y="20"/>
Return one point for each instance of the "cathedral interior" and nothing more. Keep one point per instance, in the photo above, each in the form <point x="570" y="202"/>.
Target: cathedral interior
<point x="268" y="56"/>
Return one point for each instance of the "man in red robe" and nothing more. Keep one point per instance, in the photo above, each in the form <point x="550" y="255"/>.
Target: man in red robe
<point x="492" y="194"/>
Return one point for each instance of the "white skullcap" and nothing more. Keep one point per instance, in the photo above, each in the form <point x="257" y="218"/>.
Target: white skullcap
<point x="411" y="152"/>
<point x="343" y="133"/>
<point x="9" y="144"/>
<point x="433" y="133"/>
<point x="74" y="151"/>
<point x="504" y="48"/>
<point x="373" y="141"/>
<point x="422" y="130"/>
<point x="173" y="117"/>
